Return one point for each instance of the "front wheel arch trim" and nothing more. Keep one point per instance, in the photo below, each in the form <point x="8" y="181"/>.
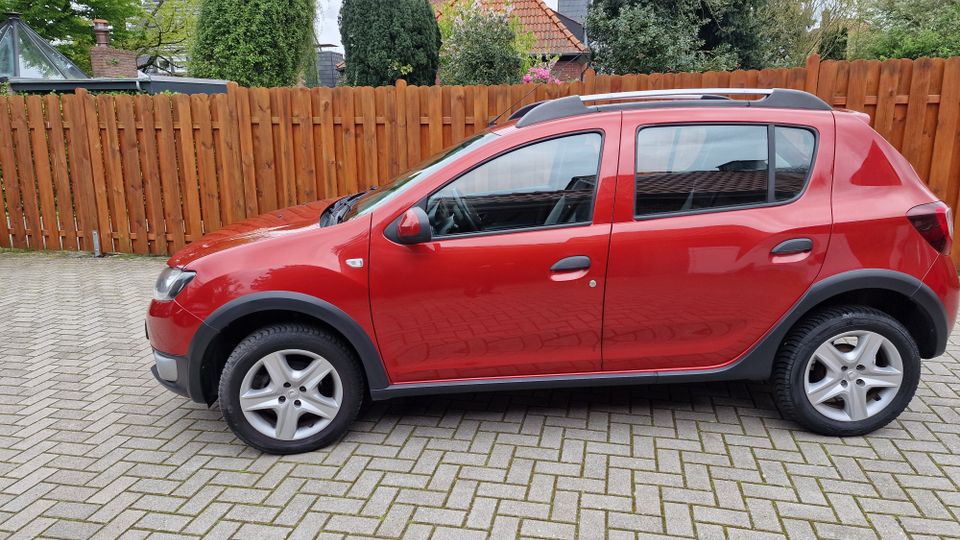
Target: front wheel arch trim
<point x="310" y="306"/>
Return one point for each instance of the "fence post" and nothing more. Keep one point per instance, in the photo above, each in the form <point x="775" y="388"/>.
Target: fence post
<point x="813" y="73"/>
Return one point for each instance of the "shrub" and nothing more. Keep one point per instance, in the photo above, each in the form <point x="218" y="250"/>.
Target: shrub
<point x="253" y="42"/>
<point x="483" y="46"/>
<point x="388" y="40"/>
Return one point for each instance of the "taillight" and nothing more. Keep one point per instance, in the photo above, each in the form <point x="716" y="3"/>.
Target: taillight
<point x="934" y="221"/>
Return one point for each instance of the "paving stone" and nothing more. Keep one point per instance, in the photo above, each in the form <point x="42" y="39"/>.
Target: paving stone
<point x="92" y="446"/>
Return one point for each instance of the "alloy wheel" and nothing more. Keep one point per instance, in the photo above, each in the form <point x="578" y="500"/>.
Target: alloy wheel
<point x="853" y="376"/>
<point x="291" y="394"/>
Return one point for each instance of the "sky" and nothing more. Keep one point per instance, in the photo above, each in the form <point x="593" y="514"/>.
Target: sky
<point x="327" y="30"/>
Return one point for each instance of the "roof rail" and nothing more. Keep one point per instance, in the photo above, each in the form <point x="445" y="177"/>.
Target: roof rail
<point x="774" y="98"/>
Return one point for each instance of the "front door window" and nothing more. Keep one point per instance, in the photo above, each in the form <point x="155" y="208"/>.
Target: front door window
<point x="549" y="183"/>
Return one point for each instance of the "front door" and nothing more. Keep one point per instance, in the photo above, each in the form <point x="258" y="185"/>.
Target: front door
<point x="726" y="226"/>
<point x="512" y="282"/>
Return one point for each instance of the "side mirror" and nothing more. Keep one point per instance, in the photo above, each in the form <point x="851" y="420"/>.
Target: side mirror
<point x="414" y="227"/>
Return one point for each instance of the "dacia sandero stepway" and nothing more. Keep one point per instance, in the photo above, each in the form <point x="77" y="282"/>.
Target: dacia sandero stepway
<point x="628" y="238"/>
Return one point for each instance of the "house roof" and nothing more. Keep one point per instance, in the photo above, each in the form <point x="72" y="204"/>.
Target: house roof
<point x="552" y="35"/>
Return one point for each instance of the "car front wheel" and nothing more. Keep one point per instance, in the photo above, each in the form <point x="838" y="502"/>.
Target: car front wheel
<point x="290" y="388"/>
<point x="846" y="371"/>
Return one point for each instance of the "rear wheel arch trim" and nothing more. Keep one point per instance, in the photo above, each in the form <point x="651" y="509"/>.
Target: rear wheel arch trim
<point x="311" y="306"/>
<point x="825" y="289"/>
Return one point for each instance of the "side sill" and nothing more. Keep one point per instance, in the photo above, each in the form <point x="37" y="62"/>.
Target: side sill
<point x="741" y="369"/>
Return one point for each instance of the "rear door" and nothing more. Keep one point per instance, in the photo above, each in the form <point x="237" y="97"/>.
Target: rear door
<point x="711" y="245"/>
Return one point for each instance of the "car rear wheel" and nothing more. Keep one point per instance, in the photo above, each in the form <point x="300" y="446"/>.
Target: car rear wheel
<point x="290" y="388"/>
<point x="846" y="371"/>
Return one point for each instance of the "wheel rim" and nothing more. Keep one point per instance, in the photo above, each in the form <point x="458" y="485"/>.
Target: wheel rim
<point x="291" y="394"/>
<point x="853" y="376"/>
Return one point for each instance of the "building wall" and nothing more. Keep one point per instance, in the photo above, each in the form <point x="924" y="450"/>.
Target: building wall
<point x="108" y="62"/>
<point x="569" y="70"/>
<point x="575" y="9"/>
<point x="327" y="67"/>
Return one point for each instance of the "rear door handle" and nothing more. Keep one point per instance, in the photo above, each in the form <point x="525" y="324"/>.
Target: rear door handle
<point x="793" y="246"/>
<point x="570" y="264"/>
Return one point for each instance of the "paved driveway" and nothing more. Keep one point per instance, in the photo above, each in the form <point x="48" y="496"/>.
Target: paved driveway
<point x="90" y="445"/>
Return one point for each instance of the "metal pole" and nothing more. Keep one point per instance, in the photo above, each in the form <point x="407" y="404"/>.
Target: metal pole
<point x="96" y="244"/>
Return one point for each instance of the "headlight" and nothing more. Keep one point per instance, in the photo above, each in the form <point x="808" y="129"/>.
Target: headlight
<point x="170" y="283"/>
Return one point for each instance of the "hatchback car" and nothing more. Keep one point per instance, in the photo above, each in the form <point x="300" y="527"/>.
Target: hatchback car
<point x="629" y="238"/>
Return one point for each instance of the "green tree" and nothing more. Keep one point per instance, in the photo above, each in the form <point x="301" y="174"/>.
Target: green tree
<point x="253" y="42"/>
<point x="734" y="28"/>
<point x="482" y="45"/>
<point x="386" y="41"/>
<point x="69" y="24"/>
<point x="910" y="29"/>
<point x="833" y="43"/>
<point x="785" y="32"/>
<point x="644" y="36"/>
<point x="163" y="34"/>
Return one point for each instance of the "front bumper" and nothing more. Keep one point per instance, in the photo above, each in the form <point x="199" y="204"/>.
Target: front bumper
<point x="170" y="371"/>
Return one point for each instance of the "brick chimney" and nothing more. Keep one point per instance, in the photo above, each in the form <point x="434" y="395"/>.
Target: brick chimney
<point x="108" y="62"/>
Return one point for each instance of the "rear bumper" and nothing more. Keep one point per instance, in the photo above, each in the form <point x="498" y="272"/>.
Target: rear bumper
<point x="942" y="281"/>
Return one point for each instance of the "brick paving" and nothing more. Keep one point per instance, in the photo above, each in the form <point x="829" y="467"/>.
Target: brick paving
<point x="91" y="446"/>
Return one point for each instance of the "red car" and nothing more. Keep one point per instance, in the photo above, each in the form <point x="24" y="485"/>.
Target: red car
<point x="630" y="238"/>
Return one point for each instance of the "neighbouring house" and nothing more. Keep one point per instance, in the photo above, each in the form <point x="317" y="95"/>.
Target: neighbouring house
<point x="554" y="37"/>
<point x="327" y="67"/>
<point x="29" y="64"/>
<point x="573" y="15"/>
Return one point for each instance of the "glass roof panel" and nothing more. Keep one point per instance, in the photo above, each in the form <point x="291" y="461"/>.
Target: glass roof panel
<point x="67" y="68"/>
<point x="6" y="52"/>
<point x="33" y="63"/>
<point x="23" y="53"/>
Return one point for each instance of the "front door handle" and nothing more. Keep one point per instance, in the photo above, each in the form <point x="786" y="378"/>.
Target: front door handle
<point x="570" y="264"/>
<point x="793" y="246"/>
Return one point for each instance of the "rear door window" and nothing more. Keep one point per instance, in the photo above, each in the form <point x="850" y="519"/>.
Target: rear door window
<point x="691" y="168"/>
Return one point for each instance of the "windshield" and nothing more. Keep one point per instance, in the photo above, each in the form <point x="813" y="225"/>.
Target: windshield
<point x="375" y="198"/>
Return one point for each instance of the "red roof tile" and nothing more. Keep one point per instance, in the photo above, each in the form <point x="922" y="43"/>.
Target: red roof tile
<point x="552" y="36"/>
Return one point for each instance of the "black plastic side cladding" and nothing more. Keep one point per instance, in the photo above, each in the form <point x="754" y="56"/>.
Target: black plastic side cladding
<point x="757" y="364"/>
<point x="282" y="301"/>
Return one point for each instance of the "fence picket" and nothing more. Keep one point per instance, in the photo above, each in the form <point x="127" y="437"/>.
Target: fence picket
<point x="251" y="199"/>
<point x="149" y="168"/>
<point x="132" y="177"/>
<point x="26" y="172"/>
<point x="189" y="181"/>
<point x="206" y="163"/>
<point x="11" y="179"/>
<point x="57" y="145"/>
<point x="41" y="161"/>
<point x="173" y="203"/>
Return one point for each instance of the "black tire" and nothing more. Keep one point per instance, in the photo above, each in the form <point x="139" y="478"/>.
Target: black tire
<point x="290" y="336"/>
<point x="790" y="368"/>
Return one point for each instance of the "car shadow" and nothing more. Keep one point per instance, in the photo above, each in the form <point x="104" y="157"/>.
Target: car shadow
<point x="721" y="402"/>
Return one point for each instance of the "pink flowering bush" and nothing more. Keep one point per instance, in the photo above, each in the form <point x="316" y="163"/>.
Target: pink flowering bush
<point x="539" y="74"/>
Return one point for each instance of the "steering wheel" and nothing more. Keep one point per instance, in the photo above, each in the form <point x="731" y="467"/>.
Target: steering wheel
<point x="466" y="212"/>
